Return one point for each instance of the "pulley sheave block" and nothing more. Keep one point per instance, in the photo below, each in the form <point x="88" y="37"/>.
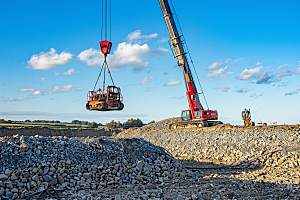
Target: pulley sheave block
<point x="105" y="47"/>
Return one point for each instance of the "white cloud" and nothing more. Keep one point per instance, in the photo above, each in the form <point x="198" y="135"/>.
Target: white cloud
<point x="151" y="77"/>
<point x="78" y="89"/>
<point x="283" y="66"/>
<point x="241" y="90"/>
<point x="17" y="99"/>
<point x="297" y="71"/>
<point x="222" y="88"/>
<point x="43" y="79"/>
<point x="264" y="78"/>
<point x="163" y="39"/>
<point x="249" y="73"/>
<point x="56" y="73"/>
<point x="220" y="73"/>
<point x="48" y="60"/>
<point x="254" y="95"/>
<point x="258" y="63"/>
<point x="178" y="97"/>
<point x="151" y="88"/>
<point x="67" y="88"/>
<point x="91" y="57"/>
<point x="173" y="82"/>
<point x="34" y="81"/>
<point x="291" y="93"/>
<point x="236" y="62"/>
<point x="27" y="90"/>
<point x="137" y="35"/>
<point x="144" y="81"/>
<point x="218" y="64"/>
<point x="126" y="54"/>
<point x="284" y="74"/>
<point x="70" y="71"/>
<point x="6" y="84"/>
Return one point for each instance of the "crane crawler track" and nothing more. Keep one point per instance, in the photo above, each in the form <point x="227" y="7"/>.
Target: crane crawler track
<point x="194" y="124"/>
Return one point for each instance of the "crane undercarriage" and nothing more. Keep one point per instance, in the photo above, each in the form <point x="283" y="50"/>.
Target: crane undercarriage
<point x="194" y="124"/>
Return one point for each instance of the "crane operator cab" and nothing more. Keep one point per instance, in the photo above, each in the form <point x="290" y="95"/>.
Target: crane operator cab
<point x="105" y="100"/>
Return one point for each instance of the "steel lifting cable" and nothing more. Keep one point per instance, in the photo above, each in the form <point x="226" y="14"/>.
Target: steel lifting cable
<point x="105" y="19"/>
<point x="104" y="76"/>
<point x="102" y="22"/>
<point x="189" y="54"/>
<point x="99" y="76"/>
<point x="110" y="20"/>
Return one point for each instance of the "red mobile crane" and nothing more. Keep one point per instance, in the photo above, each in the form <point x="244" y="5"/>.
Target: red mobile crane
<point x="196" y="116"/>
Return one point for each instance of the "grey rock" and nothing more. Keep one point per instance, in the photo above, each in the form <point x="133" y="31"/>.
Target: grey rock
<point x="140" y="165"/>
<point x="36" y="178"/>
<point x="9" y="195"/>
<point x="87" y="175"/>
<point x="47" y="178"/>
<point x="9" y="185"/>
<point x="13" y="177"/>
<point x="15" y="196"/>
<point x="147" y="167"/>
<point x="14" y="190"/>
<point x="3" y="177"/>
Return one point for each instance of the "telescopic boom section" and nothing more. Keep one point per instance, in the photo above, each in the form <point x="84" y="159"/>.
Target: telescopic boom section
<point x="177" y="47"/>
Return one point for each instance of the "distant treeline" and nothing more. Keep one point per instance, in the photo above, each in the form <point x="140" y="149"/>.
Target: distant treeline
<point x="128" y="124"/>
<point x="113" y="124"/>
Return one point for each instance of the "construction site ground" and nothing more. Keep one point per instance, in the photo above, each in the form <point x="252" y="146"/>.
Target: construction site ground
<point x="221" y="162"/>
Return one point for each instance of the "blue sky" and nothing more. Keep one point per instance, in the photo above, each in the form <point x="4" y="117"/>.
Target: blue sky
<point x="246" y="53"/>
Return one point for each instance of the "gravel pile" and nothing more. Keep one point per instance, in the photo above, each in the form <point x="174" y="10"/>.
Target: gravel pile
<point x="29" y="164"/>
<point x="227" y="145"/>
<point x="164" y="124"/>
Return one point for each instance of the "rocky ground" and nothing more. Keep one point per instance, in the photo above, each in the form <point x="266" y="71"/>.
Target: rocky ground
<point x="152" y="162"/>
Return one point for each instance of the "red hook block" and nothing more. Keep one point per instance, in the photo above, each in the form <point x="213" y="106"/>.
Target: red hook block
<point x="105" y="47"/>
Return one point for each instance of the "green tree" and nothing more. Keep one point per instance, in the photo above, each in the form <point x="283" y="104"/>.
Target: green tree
<point x="75" y="121"/>
<point x="89" y="125"/>
<point x="119" y="125"/>
<point x="111" y="124"/>
<point x="94" y="125"/>
<point x="133" y="123"/>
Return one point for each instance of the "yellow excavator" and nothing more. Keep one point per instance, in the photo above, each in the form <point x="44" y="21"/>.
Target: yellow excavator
<point x="246" y="116"/>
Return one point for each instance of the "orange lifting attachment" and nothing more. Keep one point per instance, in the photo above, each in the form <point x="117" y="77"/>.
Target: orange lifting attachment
<point x="106" y="99"/>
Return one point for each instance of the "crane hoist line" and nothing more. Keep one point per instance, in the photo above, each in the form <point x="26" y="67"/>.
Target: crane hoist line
<point x="108" y="98"/>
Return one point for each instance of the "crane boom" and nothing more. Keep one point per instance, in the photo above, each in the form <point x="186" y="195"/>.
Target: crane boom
<point x="177" y="47"/>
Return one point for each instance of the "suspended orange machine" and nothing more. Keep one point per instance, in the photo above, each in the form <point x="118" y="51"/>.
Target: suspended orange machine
<point x="106" y="99"/>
